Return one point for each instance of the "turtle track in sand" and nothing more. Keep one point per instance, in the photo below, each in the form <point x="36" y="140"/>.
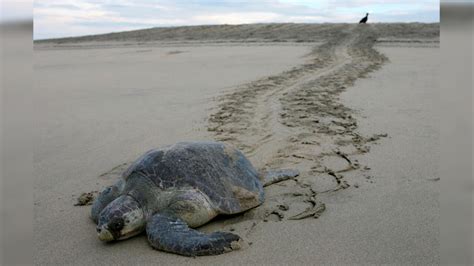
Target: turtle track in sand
<point x="294" y="120"/>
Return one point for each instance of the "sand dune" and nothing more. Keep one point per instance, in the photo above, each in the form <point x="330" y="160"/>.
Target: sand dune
<point x="280" y="32"/>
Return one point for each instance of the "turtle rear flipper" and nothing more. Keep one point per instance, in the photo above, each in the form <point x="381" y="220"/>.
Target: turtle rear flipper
<point x="275" y="176"/>
<point x="171" y="234"/>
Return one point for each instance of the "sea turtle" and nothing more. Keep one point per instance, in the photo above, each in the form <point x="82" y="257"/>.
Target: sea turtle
<point x="170" y="190"/>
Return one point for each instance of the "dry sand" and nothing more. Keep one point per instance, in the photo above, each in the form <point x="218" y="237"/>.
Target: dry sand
<point x="102" y="102"/>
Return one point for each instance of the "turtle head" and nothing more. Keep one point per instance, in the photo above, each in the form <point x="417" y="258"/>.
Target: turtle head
<point x="121" y="219"/>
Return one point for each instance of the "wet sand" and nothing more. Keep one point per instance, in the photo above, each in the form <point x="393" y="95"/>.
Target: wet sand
<point x="353" y="114"/>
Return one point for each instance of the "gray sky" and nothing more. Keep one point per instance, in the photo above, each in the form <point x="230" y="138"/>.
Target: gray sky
<point x="60" y="18"/>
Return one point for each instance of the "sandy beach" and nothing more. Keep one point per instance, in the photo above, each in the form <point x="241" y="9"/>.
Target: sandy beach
<point x="351" y="107"/>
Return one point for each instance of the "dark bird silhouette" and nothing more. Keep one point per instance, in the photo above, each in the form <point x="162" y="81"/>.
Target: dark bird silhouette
<point x="364" y="19"/>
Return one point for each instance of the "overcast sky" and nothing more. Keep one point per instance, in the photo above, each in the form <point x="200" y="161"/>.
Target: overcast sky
<point x="60" y="18"/>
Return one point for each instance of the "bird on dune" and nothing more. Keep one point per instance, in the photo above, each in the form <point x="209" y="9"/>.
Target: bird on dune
<point x="364" y="19"/>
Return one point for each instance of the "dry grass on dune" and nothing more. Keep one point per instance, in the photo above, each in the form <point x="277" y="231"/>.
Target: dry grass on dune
<point x="274" y="32"/>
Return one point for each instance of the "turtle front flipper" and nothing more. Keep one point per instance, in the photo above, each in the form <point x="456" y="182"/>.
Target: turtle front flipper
<point x="168" y="233"/>
<point x="105" y="197"/>
<point x="275" y="176"/>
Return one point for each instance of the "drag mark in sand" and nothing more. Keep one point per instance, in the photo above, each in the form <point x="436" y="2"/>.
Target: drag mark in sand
<point x="295" y="120"/>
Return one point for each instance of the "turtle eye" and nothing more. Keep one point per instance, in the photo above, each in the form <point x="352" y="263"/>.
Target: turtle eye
<point x="116" y="224"/>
